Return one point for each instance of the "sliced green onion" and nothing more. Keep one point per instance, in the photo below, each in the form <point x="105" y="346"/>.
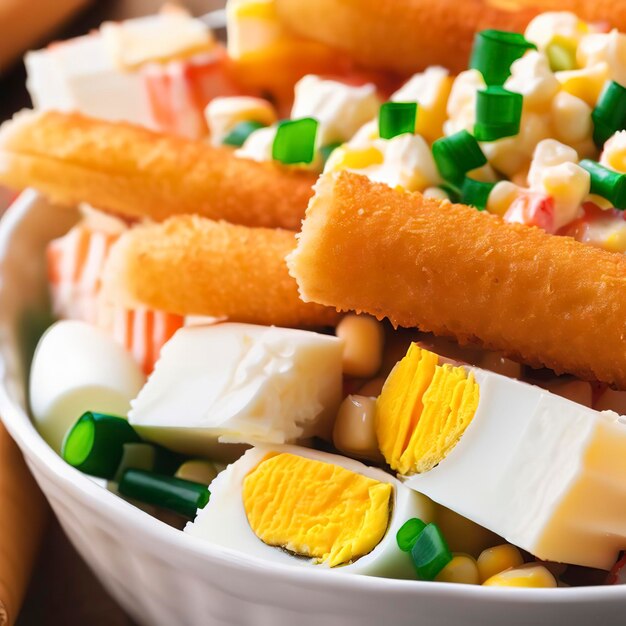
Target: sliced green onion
<point x="561" y="56"/>
<point x="396" y="118"/>
<point x="95" y="444"/>
<point x="498" y="113"/>
<point x="494" y="51"/>
<point x="430" y="553"/>
<point x="609" y="114"/>
<point x="476" y="193"/>
<point x="327" y="150"/>
<point x="295" y="141"/>
<point x="408" y="534"/>
<point x="606" y="183"/>
<point x="456" y="155"/>
<point x="174" y="494"/>
<point x="238" y="135"/>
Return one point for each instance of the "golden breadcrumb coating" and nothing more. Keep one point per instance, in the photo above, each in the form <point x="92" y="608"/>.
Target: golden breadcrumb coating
<point x="408" y="35"/>
<point x="452" y="270"/>
<point x="138" y="173"/>
<point x="194" y="266"/>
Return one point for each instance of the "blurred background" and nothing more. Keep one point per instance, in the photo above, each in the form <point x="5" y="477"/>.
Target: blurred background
<point x="72" y="17"/>
<point x="63" y="590"/>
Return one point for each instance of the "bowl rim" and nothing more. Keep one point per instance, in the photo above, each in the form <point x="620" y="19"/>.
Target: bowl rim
<point x="42" y="456"/>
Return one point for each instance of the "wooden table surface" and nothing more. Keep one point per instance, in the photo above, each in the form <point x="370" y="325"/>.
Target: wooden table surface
<point x="63" y="591"/>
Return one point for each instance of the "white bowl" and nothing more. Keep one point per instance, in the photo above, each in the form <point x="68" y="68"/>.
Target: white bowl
<point x="163" y="576"/>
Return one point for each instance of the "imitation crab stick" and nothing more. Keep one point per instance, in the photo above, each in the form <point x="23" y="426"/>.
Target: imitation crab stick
<point x="22" y="520"/>
<point x="452" y="270"/>
<point x="75" y="265"/>
<point x="193" y="266"/>
<point x="138" y="173"/>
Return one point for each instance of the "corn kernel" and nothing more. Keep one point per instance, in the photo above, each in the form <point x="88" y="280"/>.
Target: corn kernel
<point x="604" y="47"/>
<point x="495" y="560"/>
<point x="364" y="339"/>
<point x="531" y="575"/>
<point x="437" y="193"/>
<point x="614" y="152"/>
<point x="548" y="153"/>
<point x="461" y="569"/>
<point x="354" y="432"/>
<point x="585" y="83"/>
<point x="430" y="89"/>
<point x="501" y="197"/>
<point x="571" y="117"/>
<point x="568" y="184"/>
<point x="354" y="158"/>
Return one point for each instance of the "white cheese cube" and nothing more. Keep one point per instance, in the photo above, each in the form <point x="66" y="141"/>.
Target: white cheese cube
<point x="240" y="383"/>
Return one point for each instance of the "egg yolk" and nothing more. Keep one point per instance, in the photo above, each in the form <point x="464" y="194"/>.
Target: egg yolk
<point x="423" y="411"/>
<point x="316" y="509"/>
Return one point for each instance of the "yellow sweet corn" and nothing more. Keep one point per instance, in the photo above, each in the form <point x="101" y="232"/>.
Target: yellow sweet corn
<point x="494" y="560"/>
<point x="531" y="575"/>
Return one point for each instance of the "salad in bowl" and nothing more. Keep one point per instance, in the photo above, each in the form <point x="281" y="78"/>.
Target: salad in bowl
<point x="358" y="340"/>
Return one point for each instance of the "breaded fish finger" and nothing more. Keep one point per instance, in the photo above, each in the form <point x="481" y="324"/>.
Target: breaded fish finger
<point x="452" y="270"/>
<point x="139" y="173"/>
<point x="193" y="266"/>
<point x="408" y="35"/>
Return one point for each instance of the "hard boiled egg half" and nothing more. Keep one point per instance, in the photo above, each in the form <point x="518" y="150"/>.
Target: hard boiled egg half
<point x="308" y="508"/>
<point x="546" y="473"/>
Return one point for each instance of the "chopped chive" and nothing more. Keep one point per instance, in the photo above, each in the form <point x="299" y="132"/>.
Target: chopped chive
<point x="609" y="114"/>
<point x="456" y="155"/>
<point x="396" y="118"/>
<point x="295" y="141"/>
<point x="430" y="553"/>
<point x="561" y="56"/>
<point x="408" y="533"/>
<point x="606" y="183"/>
<point x="476" y="193"/>
<point x="174" y="494"/>
<point x="494" y="52"/>
<point x="95" y="444"/>
<point x="498" y="113"/>
<point x="327" y="150"/>
<point x="238" y="135"/>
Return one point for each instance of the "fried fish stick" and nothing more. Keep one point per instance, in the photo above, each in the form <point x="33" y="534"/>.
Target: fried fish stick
<point x="406" y="36"/>
<point x="138" y="173"/>
<point x="194" y="266"/>
<point x="452" y="270"/>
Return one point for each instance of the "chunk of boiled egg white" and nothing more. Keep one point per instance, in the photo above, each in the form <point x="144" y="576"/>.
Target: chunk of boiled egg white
<point x="240" y="383"/>
<point x="78" y="368"/>
<point x="307" y="508"/>
<point x="545" y="473"/>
